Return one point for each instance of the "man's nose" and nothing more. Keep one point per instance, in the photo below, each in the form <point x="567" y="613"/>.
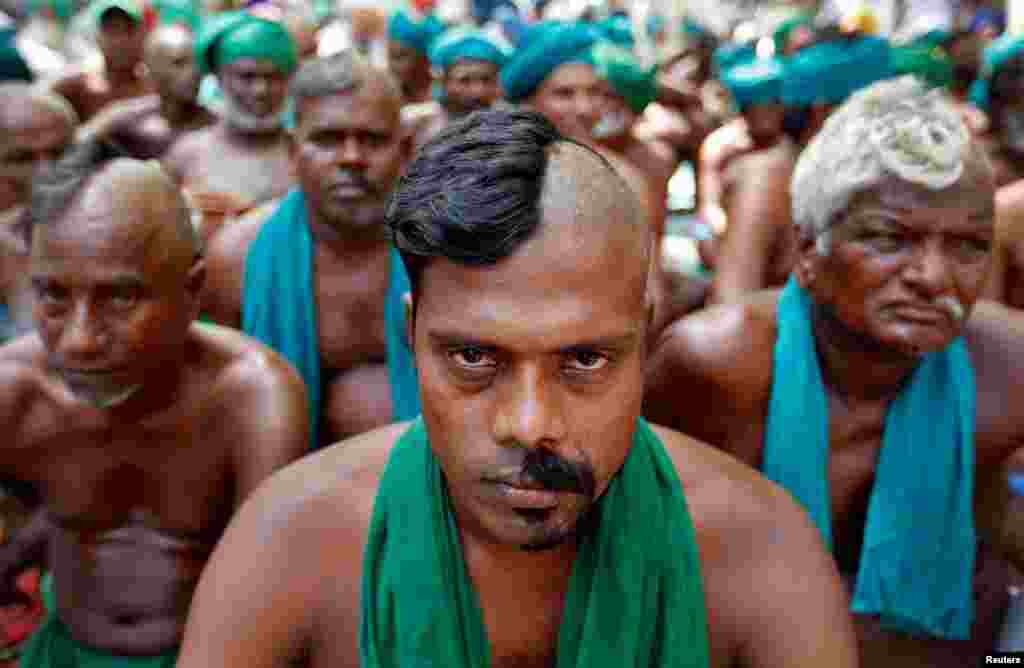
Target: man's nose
<point x="930" y="270"/>
<point x="83" y="335"/>
<point x="529" y="409"/>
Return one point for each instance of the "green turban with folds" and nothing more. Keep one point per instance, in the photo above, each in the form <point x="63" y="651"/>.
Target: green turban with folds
<point x="411" y="29"/>
<point x="786" y="28"/>
<point x="730" y="55"/>
<point x="231" y="36"/>
<point x="756" y="82"/>
<point x="829" y="72"/>
<point x="617" y="29"/>
<point x="468" y="44"/>
<point x="623" y="71"/>
<point x="178" y="11"/>
<point x="543" y="49"/>
<point x="996" y="55"/>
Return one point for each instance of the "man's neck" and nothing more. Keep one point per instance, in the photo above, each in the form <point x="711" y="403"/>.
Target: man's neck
<point x="250" y="138"/>
<point x="180" y="113"/>
<point x="123" y="77"/>
<point x="485" y="559"/>
<point x="855" y="368"/>
<point x="345" y="243"/>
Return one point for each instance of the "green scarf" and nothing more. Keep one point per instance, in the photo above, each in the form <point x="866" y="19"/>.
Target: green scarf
<point x="635" y="595"/>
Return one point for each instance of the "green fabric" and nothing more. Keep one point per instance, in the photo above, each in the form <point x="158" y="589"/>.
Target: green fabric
<point x="829" y="72"/>
<point x="469" y="44"/>
<point x="996" y="55"/>
<point x="618" y="30"/>
<point x="12" y="65"/>
<point x="544" y="48"/>
<point x="51" y="646"/>
<point x="405" y="25"/>
<point x="621" y="69"/>
<point x="917" y="559"/>
<point x="130" y="7"/>
<point x="278" y="304"/>
<point x="930" y="64"/>
<point x="405" y="389"/>
<point x="756" y="82"/>
<point x="178" y="11"/>
<point x="62" y="9"/>
<point x="731" y="55"/>
<point x="786" y="28"/>
<point x="635" y="596"/>
<point x="231" y="36"/>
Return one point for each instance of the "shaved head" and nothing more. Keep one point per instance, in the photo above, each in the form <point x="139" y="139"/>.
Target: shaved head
<point x="170" y="38"/>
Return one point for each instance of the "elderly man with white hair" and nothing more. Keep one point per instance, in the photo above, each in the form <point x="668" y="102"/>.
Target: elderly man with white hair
<point x="871" y="387"/>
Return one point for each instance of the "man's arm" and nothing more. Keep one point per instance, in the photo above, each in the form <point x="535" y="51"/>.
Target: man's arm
<point x="759" y="215"/>
<point x="1009" y="211"/>
<point x="225" y="274"/>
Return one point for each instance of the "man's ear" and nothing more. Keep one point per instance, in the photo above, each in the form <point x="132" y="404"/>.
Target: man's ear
<point x="410" y="324"/>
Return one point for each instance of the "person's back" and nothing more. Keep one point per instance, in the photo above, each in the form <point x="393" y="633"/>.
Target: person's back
<point x="142" y="429"/>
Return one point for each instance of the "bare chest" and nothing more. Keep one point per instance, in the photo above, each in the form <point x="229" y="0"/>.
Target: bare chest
<point x="148" y="138"/>
<point x="350" y="311"/>
<point x="256" y="175"/>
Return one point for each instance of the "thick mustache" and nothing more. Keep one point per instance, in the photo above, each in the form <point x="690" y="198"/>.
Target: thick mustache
<point x="559" y="474"/>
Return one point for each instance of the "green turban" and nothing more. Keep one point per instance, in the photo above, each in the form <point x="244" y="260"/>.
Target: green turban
<point x="930" y="64"/>
<point x="470" y="44"/>
<point x="996" y="55"/>
<point x="730" y="55"/>
<point x="617" y="29"/>
<point x="786" y="28"/>
<point x="756" y="82"/>
<point x="623" y="71"/>
<point x="407" y="27"/>
<point x="544" y="48"/>
<point x="829" y="72"/>
<point x="231" y="36"/>
<point x="178" y="11"/>
<point x="61" y="9"/>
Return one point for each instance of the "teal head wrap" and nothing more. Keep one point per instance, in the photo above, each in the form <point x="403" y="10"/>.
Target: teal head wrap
<point x="995" y="56"/>
<point x="61" y="9"/>
<point x="235" y="35"/>
<point x="623" y="71"/>
<point x="544" y="47"/>
<point x="786" y="28"/>
<point x="470" y="44"/>
<point x="731" y="55"/>
<point x="930" y="64"/>
<point x="178" y="11"/>
<point x="828" y="72"/>
<point x="617" y="29"/>
<point x="407" y="27"/>
<point x="756" y="82"/>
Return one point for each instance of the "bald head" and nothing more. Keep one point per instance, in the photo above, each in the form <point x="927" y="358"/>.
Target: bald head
<point x="93" y="189"/>
<point x="164" y="40"/>
<point x="172" y="68"/>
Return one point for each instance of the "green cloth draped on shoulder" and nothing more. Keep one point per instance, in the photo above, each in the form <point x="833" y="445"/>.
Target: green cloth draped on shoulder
<point x="917" y="560"/>
<point x="278" y="305"/>
<point x="635" y="595"/>
<point x="52" y="646"/>
<point x="405" y="389"/>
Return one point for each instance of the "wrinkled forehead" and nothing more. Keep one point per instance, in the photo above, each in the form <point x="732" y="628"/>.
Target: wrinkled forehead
<point x="971" y="197"/>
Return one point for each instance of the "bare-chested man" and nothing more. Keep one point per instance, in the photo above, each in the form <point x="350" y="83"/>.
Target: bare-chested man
<point x="998" y="92"/>
<point x="468" y="62"/>
<point x="530" y="516"/>
<point x="872" y="388"/>
<point x="242" y="160"/>
<point x="310" y="279"/>
<point x="36" y="127"/>
<point x="142" y="430"/>
<point x="146" y="127"/>
<point x="121" y="36"/>
<point x="410" y="35"/>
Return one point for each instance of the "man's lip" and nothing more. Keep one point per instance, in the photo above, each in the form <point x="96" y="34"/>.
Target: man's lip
<point x="346" y="190"/>
<point x="526" y="498"/>
<point x="924" y="314"/>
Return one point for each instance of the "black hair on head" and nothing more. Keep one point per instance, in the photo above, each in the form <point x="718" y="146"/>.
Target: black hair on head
<point x="472" y="194"/>
<point x="55" y="188"/>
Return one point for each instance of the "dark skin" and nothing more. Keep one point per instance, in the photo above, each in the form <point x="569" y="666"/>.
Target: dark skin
<point x="32" y="136"/>
<point x="347" y="152"/>
<point x="508" y="365"/>
<point x="468" y="85"/>
<point x="145" y="128"/>
<point x="228" y="169"/>
<point x="900" y="247"/>
<point x="411" y="69"/>
<point x="121" y="40"/>
<point x="117" y="289"/>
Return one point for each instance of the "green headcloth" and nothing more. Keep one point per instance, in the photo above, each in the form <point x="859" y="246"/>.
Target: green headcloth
<point x="782" y="33"/>
<point x="623" y="71"/>
<point x="130" y="7"/>
<point x="756" y="82"/>
<point x="617" y="29"/>
<point x="828" y="72"/>
<point x="405" y="25"/>
<point x="471" y="44"/>
<point x="231" y="36"/>
<point x="61" y="9"/>
<point x="927" y="61"/>
<point x="543" y="48"/>
<point x="178" y="11"/>
<point x="995" y="56"/>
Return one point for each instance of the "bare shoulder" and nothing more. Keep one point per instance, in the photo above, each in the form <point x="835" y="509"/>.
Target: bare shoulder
<point x="1010" y="212"/>
<point x="186" y="149"/>
<point x="231" y="242"/>
<point x="995" y="336"/>
<point x="242" y="364"/>
<point x="21" y="368"/>
<point x="728" y="344"/>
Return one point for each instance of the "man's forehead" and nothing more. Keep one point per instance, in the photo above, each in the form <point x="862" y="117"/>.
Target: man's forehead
<point x="368" y="106"/>
<point x="971" y="193"/>
<point x="568" y="75"/>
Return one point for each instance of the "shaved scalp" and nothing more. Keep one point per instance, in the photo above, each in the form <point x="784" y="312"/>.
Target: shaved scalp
<point x="19" y="102"/>
<point x="140" y="193"/>
<point x="168" y="37"/>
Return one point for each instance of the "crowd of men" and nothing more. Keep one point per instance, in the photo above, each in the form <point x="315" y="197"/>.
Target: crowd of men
<point x="382" y="353"/>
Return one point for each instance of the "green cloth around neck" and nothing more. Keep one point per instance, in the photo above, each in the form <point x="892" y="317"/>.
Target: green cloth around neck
<point x="278" y="304"/>
<point x="635" y="594"/>
<point x="917" y="559"/>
